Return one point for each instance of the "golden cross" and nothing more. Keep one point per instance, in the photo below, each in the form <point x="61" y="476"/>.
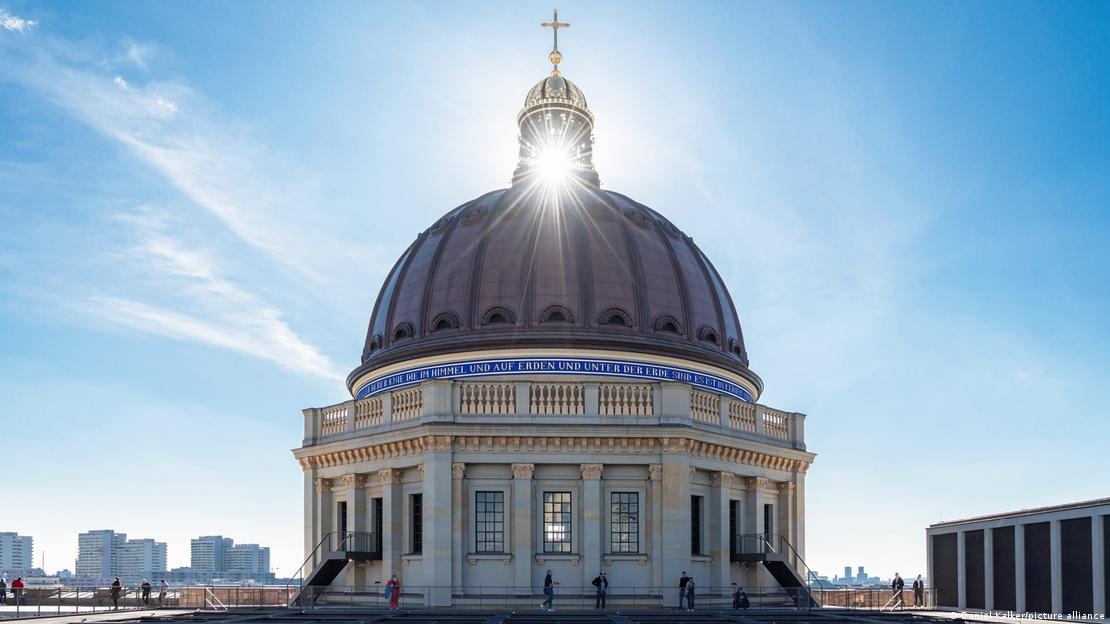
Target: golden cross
<point x="555" y="26"/>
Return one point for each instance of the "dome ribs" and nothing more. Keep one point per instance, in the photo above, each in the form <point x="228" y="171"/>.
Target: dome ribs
<point x="472" y="313"/>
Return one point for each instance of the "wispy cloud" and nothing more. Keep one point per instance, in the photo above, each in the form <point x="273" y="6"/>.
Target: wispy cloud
<point x="15" y="23"/>
<point x="221" y="313"/>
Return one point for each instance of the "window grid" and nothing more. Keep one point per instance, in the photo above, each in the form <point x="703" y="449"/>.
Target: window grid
<point x="695" y="525"/>
<point x="624" y="522"/>
<point x="489" y="521"/>
<point x="556" y="522"/>
<point x="417" y="523"/>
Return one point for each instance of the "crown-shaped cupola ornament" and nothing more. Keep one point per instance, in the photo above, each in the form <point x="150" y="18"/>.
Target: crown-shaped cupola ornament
<point x="556" y="128"/>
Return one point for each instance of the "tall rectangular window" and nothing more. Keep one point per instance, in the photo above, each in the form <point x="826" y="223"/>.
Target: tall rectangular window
<point x="376" y="523"/>
<point x="769" y="523"/>
<point x="695" y="525"/>
<point x="624" y="522"/>
<point x="341" y="517"/>
<point x="556" y="522"/>
<point x="733" y="526"/>
<point x="489" y="521"/>
<point x="417" y="516"/>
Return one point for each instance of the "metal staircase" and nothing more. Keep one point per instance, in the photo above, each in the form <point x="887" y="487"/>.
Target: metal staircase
<point x="782" y="561"/>
<point x="327" y="560"/>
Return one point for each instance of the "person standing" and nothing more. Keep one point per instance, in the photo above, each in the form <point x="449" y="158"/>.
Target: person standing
<point x="17" y="590"/>
<point x="682" y="588"/>
<point x="690" y="587"/>
<point x="918" y="592"/>
<point x="548" y="593"/>
<point x="3" y="591"/>
<point x="602" y="585"/>
<point x="115" y="594"/>
<point x="162" y="587"/>
<point x="740" y="599"/>
<point x="393" y="592"/>
<point x="146" y="592"/>
<point x="897" y="585"/>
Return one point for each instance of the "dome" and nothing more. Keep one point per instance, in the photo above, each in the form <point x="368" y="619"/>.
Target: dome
<point x="555" y="90"/>
<point x="513" y="269"/>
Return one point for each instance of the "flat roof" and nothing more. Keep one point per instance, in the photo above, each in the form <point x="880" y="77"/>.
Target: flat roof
<point x="1026" y="512"/>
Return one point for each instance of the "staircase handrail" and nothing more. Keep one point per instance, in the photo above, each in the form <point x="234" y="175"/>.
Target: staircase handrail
<point x="299" y="572"/>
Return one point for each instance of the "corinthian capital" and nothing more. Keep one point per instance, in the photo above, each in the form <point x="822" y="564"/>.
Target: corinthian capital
<point x="323" y="485"/>
<point x="523" y="471"/>
<point x="457" y="471"/>
<point x="389" y="476"/>
<point x="354" y="480"/>
<point x="757" y="483"/>
<point x="722" y="478"/>
<point x="591" y="472"/>
<point x="655" y="472"/>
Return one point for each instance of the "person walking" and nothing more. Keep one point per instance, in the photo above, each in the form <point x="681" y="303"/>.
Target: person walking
<point x="146" y="592"/>
<point x="17" y="590"/>
<point x="115" y="594"/>
<point x="548" y="593"/>
<point x="393" y="592"/>
<point x="682" y="588"/>
<point x="918" y="592"/>
<point x="690" y="587"/>
<point x="3" y="591"/>
<point x="602" y="585"/>
<point x="162" y="587"/>
<point x="897" y="585"/>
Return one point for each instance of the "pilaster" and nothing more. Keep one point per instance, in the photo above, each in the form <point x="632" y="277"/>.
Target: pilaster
<point x="753" y="508"/>
<point x="1098" y="563"/>
<point x="438" y="516"/>
<point x="786" y="511"/>
<point x="655" y="522"/>
<point x="323" y="516"/>
<point x="988" y="569"/>
<point x="961" y="569"/>
<point x="1019" y="568"/>
<point x="393" y="534"/>
<point x="720" y="573"/>
<point x="1056" y="566"/>
<point x="591" y="518"/>
<point x="356" y="523"/>
<point x="522" y="528"/>
<point x="676" y="507"/>
<point x="459" y="507"/>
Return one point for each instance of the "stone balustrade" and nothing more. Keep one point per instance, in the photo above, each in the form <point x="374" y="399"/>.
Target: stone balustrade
<point x="647" y="403"/>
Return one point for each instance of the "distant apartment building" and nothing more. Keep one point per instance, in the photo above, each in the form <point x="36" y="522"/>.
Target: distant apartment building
<point x="103" y="555"/>
<point x="16" y="554"/>
<point x="216" y="556"/>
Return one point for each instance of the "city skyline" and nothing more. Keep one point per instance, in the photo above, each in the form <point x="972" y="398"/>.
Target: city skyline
<point x="906" y="205"/>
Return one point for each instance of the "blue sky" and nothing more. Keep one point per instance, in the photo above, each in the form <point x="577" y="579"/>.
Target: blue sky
<point x="909" y="202"/>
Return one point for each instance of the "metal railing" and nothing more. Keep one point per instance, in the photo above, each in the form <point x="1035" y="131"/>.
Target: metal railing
<point x="335" y="541"/>
<point x="52" y="601"/>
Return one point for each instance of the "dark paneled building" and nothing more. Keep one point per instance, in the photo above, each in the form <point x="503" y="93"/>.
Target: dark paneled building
<point x="1045" y="560"/>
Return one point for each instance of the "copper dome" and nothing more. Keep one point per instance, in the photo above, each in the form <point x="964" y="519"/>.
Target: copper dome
<point x="516" y="269"/>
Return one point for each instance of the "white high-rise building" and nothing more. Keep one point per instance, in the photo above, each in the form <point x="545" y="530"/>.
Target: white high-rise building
<point x="248" y="560"/>
<point x="16" y="554"/>
<point x="209" y="555"/>
<point x="141" y="559"/>
<point x="98" y="554"/>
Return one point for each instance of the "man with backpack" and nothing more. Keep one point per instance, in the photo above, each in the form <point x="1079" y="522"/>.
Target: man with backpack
<point x="602" y="585"/>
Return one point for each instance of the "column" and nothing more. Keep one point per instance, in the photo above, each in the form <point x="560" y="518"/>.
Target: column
<point x="356" y="523"/>
<point x="675" y="512"/>
<point x="988" y="569"/>
<point x="323" y="519"/>
<point x="800" y="512"/>
<point x="753" y="525"/>
<point x="459" y="507"/>
<point x="961" y="570"/>
<point x="393" y="529"/>
<point x="1056" y="566"/>
<point x="721" y="572"/>
<point x="1098" y="563"/>
<point x="438" y="486"/>
<point x="1019" y="568"/>
<point x="655" y="523"/>
<point x="591" y="519"/>
<point x="310" y="512"/>
<point x="522" y="527"/>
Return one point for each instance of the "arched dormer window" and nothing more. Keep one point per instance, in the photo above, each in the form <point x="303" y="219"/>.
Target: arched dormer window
<point x="615" y="316"/>
<point x="708" y="334"/>
<point x="375" y="343"/>
<point x="403" y="331"/>
<point x="498" y="316"/>
<point x="667" y="324"/>
<point x="445" y="320"/>
<point x="557" y="314"/>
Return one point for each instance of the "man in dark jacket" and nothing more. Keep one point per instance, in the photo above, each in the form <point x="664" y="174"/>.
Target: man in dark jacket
<point x="740" y="599"/>
<point x="897" y="585"/>
<point x="602" y="585"/>
<point x="116" y="587"/>
<point x="682" y="588"/>
<point x="918" y="592"/>
<point x="548" y="593"/>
